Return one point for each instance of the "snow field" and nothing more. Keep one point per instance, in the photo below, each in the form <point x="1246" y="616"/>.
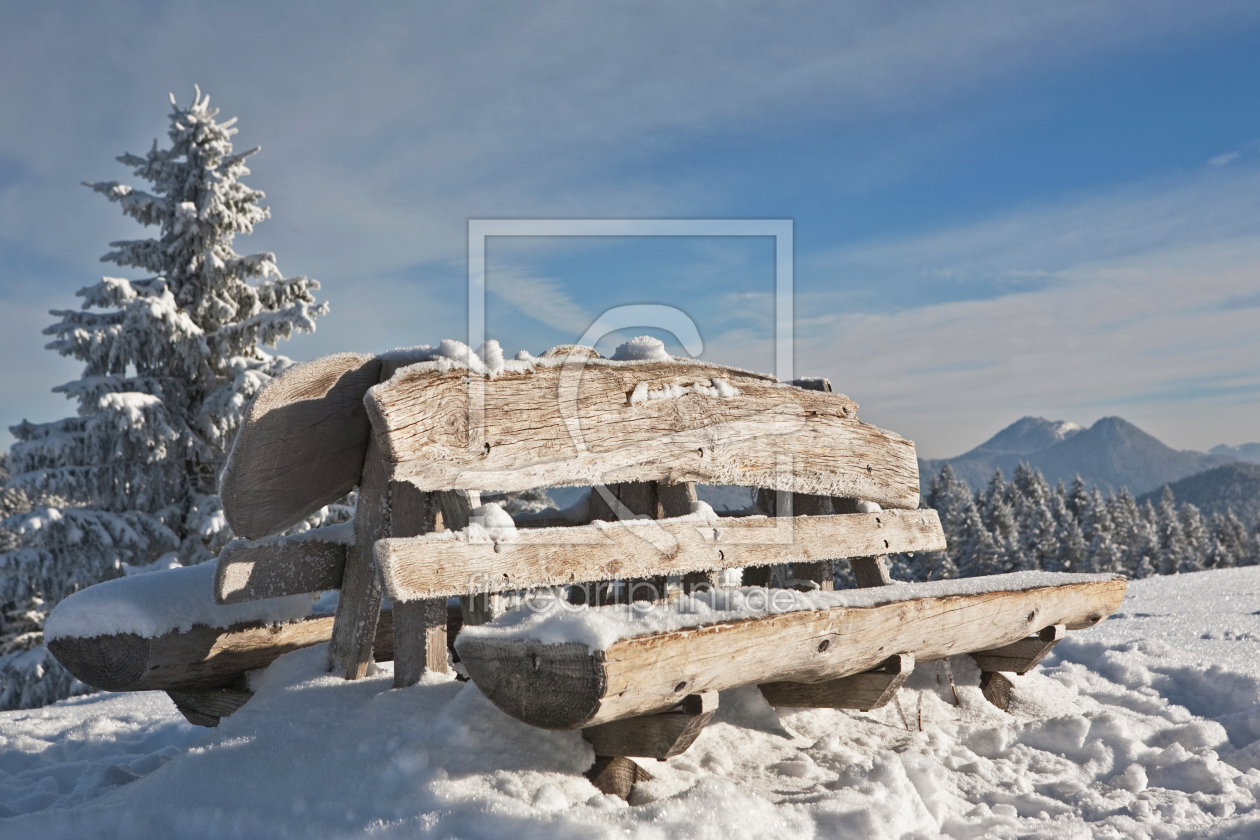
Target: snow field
<point x="1145" y="727"/>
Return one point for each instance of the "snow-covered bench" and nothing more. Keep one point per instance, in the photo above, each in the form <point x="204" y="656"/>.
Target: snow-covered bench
<point x="421" y="433"/>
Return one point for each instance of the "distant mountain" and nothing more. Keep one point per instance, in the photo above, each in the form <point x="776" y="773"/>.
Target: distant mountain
<point x="1235" y="486"/>
<point x="1113" y="453"/>
<point x="1246" y="452"/>
<point x="1028" y="434"/>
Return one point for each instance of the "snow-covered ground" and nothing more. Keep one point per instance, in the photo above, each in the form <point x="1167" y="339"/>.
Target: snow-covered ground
<point x="1147" y="726"/>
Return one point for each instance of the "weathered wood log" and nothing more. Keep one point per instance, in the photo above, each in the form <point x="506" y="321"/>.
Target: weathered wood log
<point x="585" y="429"/>
<point x="996" y="688"/>
<point x="201" y="658"/>
<point x="300" y="446"/>
<point x="418" y="568"/>
<point x="207" y="706"/>
<point x="1022" y="656"/>
<point x="568" y="686"/>
<point x="616" y="775"/>
<point x="658" y="736"/>
<point x="867" y="690"/>
<point x="313" y="561"/>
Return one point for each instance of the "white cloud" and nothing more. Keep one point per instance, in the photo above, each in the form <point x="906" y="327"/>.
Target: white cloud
<point x="1132" y="319"/>
<point x="1225" y="159"/>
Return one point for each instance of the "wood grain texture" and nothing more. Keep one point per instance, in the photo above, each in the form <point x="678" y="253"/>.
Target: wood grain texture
<point x="300" y="446"/>
<point x="207" y="706"/>
<point x="660" y="736"/>
<point x="413" y="569"/>
<point x="616" y="775"/>
<point x="420" y="627"/>
<point x="250" y="572"/>
<point x="1021" y="656"/>
<point x="867" y="690"/>
<point x="201" y="658"/>
<point x="870" y="571"/>
<point x="557" y="427"/>
<point x="419" y="640"/>
<point x="996" y="688"/>
<point x="567" y="686"/>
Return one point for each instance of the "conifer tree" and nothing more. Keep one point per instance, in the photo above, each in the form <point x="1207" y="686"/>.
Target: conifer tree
<point x="171" y="361"/>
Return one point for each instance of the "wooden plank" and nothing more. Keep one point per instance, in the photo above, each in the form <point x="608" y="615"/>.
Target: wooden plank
<point x="309" y="562"/>
<point x="201" y="658"/>
<point x="300" y="446"/>
<point x="1022" y="656"/>
<point x="567" y="686"/>
<point x="660" y="736"/>
<point x="550" y="428"/>
<point x="418" y="568"/>
<point x="867" y="690"/>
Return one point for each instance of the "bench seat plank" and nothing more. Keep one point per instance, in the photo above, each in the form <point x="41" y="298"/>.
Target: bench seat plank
<point x="569" y="686"/>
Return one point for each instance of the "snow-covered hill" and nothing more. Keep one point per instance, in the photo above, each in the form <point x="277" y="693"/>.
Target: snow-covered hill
<point x="1147" y="726"/>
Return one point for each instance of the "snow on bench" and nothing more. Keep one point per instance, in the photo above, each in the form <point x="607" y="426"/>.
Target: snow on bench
<point x="562" y="669"/>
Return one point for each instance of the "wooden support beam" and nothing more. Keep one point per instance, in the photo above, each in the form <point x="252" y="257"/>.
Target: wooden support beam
<point x="820" y="573"/>
<point x="996" y="688"/>
<point x="420" y="632"/>
<point x="870" y="571"/>
<point x="207" y="706"/>
<point x="300" y="446"/>
<point x="867" y="690"/>
<point x="617" y="775"/>
<point x="358" y="608"/>
<point x="584" y="430"/>
<point x="419" y="640"/>
<point x="350" y="650"/>
<point x="313" y="561"/>
<point x="201" y="658"/>
<point x="419" y="568"/>
<point x="568" y="686"/>
<point x="660" y="736"/>
<point x="1022" y="656"/>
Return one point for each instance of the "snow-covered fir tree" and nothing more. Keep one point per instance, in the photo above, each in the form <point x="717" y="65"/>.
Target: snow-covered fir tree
<point x="1024" y="524"/>
<point x="171" y="361"/>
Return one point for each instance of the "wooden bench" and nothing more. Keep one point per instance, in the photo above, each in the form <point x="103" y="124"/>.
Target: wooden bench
<point x="422" y="437"/>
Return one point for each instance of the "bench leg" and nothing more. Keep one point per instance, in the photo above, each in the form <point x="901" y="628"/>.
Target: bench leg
<point x="660" y="736"/>
<point x="419" y="640"/>
<point x="617" y="775"/>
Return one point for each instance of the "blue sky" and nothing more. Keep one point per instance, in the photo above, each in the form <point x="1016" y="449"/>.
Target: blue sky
<point x="999" y="209"/>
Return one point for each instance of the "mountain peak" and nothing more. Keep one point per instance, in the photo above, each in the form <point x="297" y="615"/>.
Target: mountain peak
<point x="1111" y="453"/>
<point x="1243" y="452"/>
<point x="1027" y="435"/>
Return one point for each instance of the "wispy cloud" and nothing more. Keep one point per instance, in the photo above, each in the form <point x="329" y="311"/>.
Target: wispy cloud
<point x="1224" y="159"/>
<point x="542" y="298"/>
<point x="1132" y="313"/>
